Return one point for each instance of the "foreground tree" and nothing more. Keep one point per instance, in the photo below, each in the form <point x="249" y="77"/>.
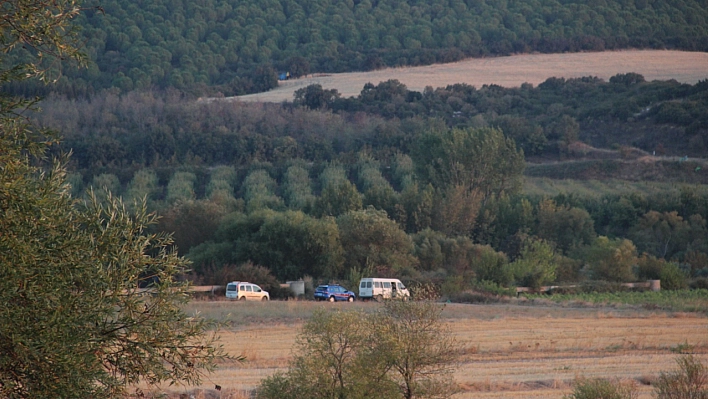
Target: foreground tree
<point x="74" y="323"/>
<point x="401" y="351"/>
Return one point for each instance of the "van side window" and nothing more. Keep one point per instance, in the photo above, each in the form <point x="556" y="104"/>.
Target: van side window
<point x="377" y="284"/>
<point x="243" y="288"/>
<point x="401" y="286"/>
<point x="248" y="288"/>
<point x="387" y="284"/>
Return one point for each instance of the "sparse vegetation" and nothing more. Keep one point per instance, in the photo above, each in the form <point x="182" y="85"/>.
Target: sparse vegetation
<point x="689" y="381"/>
<point x="603" y="389"/>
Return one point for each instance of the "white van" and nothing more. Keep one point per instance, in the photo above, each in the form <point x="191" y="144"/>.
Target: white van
<point x="244" y="291"/>
<point x="382" y="288"/>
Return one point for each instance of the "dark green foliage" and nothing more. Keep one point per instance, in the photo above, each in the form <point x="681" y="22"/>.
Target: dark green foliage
<point x="291" y="244"/>
<point x="232" y="47"/>
<point x="371" y="240"/>
<point x="609" y="259"/>
<point x="315" y="97"/>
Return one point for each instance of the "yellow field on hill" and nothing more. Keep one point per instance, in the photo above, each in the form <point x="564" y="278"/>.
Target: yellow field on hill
<point x="509" y="351"/>
<point x="511" y="71"/>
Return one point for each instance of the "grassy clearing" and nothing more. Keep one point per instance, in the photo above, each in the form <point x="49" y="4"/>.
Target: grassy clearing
<point x="671" y="301"/>
<point x="543" y="186"/>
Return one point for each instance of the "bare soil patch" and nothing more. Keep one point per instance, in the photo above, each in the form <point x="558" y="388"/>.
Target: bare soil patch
<point x="512" y="71"/>
<point x="508" y="350"/>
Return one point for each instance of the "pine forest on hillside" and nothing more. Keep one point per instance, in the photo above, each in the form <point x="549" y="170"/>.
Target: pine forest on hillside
<point x="235" y="47"/>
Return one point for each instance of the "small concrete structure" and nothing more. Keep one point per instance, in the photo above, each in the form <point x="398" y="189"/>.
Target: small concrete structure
<point x="297" y="287"/>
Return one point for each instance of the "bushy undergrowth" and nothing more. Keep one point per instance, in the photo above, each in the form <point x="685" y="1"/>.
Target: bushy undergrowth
<point x="679" y="300"/>
<point x="689" y="381"/>
<point x="603" y="389"/>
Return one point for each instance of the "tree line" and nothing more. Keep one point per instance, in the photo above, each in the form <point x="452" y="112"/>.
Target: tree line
<point x="140" y="129"/>
<point x="237" y="47"/>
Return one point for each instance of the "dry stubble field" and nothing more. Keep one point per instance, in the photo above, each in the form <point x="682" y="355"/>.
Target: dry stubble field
<point x="509" y="350"/>
<point x="511" y="71"/>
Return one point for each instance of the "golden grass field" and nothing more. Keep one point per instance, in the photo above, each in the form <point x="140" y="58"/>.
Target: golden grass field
<point x="511" y="71"/>
<point x="508" y="350"/>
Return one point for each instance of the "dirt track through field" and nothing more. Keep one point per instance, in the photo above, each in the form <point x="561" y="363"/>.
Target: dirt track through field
<point x="512" y="71"/>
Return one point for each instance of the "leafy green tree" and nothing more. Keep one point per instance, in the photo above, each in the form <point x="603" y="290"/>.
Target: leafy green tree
<point x="192" y="222"/>
<point x="297" y="189"/>
<point x="609" y="259"/>
<point x="477" y="159"/>
<point x="337" y="198"/>
<point x="44" y="30"/>
<point x="333" y="359"/>
<point x="105" y="184"/>
<point x="259" y="191"/>
<point x="536" y="265"/>
<point x="181" y="187"/>
<point x="291" y="244"/>
<point x="371" y="239"/>
<point x="661" y="234"/>
<point x="315" y="97"/>
<point x="144" y="185"/>
<point x="417" y="346"/>
<point x="74" y="323"/>
<point x="401" y="351"/>
<point x="568" y="227"/>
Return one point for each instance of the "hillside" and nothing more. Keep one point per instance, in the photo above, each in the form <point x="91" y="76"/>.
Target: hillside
<point x="236" y="46"/>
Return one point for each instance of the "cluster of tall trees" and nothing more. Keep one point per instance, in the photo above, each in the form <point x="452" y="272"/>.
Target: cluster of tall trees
<point x="454" y="210"/>
<point x="236" y="47"/>
<point x="393" y="181"/>
<point x="124" y="132"/>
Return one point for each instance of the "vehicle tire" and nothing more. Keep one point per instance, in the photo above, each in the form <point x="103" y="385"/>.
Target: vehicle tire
<point x="264" y="299"/>
<point x="243" y="298"/>
<point x="331" y="299"/>
<point x="379" y="298"/>
<point x="350" y="299"/>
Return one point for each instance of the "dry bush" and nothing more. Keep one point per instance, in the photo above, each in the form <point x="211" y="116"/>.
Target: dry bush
<point x="690" y="381"/>
<point x="599" y="388"/>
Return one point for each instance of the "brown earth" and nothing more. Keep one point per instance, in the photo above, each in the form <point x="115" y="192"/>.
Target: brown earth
<point x="512" y="71"/>
<point x="508" y="350"/>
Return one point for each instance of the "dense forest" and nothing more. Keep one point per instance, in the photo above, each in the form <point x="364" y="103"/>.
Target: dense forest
<point x="234" y="47"/>
<point x="425" y="186"/>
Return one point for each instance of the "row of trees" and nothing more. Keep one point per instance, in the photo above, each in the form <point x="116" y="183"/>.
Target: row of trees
<point x="119" y="134"/>
<point x="236" y="47"/>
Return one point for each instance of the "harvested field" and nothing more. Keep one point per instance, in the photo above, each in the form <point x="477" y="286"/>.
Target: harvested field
<point x="511" y="71"/>
<point x="509" y="350"/>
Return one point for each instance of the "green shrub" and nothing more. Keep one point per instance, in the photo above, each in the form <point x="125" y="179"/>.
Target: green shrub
<point x="672" y="277"/>
<point x="602" y="389"/>
<point x="690" y="381"/>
